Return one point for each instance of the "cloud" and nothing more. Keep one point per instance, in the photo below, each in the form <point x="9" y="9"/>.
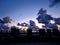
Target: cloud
<point x="57" y="20"/>
<point x="51" y="26"/>
<point x="22" y="24"/>
<point x="41" y="11"/>
<point x="46" y="18"/>
<point x="43" y="17"/>
<point x="1" y="21"/>
<point x="18" y="24"/>
<point x="7" y="19"/>
<point x="54" y="2"/>
<point x="4" y="23"/>
<point x="4" y="27"/>
<point x="32" y="25"/>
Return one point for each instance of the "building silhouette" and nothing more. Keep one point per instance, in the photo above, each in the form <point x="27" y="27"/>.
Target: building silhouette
<point x="42" y="32"/>
<point x="29" y="32"/>
<point x="56" y="32"/>
<point x="49" y="32"/>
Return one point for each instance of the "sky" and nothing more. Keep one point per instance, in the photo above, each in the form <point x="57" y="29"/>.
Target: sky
<point x="25" y="10"/>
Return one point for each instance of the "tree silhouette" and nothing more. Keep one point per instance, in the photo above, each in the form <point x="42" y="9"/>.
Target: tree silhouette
<point x="14" y="31"/>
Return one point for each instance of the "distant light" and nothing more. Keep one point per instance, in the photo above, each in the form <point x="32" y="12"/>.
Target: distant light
<point x="34" y="31"/>
<point x="58" y="27"/>
<point x="23" y="28"/>
<point x="52" y="21"/>
<point x="40" y="25"/>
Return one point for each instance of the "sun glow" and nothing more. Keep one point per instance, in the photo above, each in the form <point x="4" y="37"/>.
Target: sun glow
<point x="52" y="21"/>
<point x="40" y="25"/>
<point x="23" y="28"/>
<point x="58" y="27"/>
<point x="33" y="31"/>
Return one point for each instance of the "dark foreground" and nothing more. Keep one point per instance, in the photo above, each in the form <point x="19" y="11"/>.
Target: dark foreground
<point x="33" y="43"/>
<point x="41" y="38"/>
<point x="29" y="38"/>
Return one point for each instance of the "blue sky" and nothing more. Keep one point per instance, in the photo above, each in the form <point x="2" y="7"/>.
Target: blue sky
<point x="25" y="10"/>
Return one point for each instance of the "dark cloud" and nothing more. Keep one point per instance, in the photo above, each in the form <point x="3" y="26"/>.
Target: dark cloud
<point x="1" y="21"/>
<point x="41" y="11"/>
<point x="57" y="20"/>
<point x="51" y="26"/>
<point x="4" y="21"/>
<point x="4" y="27"/>
<point x="32" y="22"/>
<point x="44" y="18"/>
<point x="18" y="24"/>
<point x="33" y="25"/>
<point x="24" y="24"/>
<point x="7" y="19"/>
<point x="54" y="2"/>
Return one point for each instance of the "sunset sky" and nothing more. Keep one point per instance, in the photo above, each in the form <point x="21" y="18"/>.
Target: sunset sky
<point x="25" y="10"/>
